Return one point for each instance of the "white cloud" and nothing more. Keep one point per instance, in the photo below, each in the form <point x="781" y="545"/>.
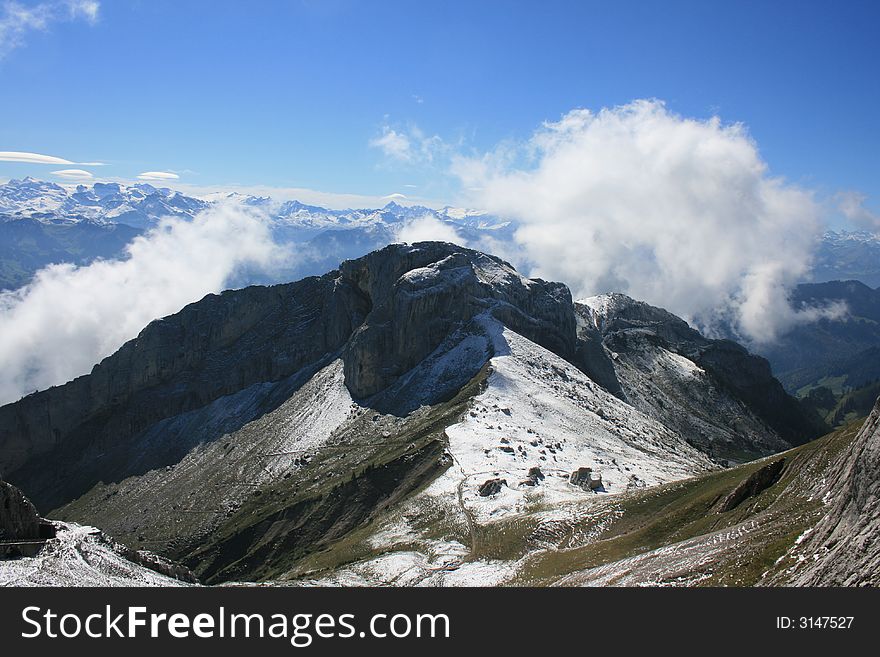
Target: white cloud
<point x="679" y="212"/>
<point x="31" y="158"/>
<point x="158" y="176"/>
<point x="18" y="20"/>
<point x="87" y="9"/>
<point x="73" y="174"/>
<point x="393" y="144"/>
<point x="412" y="146"/>
<point x="852" y="205"/>
<point x="428" y="228"/>
<point x="38" y="158"/>
<point x="71" y="317"/>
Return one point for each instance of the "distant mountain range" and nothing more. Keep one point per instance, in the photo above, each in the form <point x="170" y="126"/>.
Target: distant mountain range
<point x="43" y="223"/>
<point x="844" y="255"/>
<point x="138" y="206"/>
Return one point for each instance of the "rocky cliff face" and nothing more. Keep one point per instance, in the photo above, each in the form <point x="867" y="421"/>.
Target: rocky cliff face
<point x="844" y="548"/>
<point x="420" y="296"/>
<point x="213" y="348"/>
<point x="19" y="519"/>
<point x="714" y="392"/>
<point x="383" y="314"/>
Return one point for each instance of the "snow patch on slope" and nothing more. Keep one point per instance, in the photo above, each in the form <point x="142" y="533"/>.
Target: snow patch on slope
<point x="539" y="410"/>
<point x="79" y="556"/>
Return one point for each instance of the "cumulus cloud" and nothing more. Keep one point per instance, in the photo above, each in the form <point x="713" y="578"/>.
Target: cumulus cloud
<point x="70" y="317"/>
<point x="18" y="20"/>
<point x="73" y="174"/>
<point x="428" y="228"/>
<point x="158" y="176"/>
<point x="411" y="146"/>
<point x="852" y="206"/>
<point x="393" y="144"/>
<point x="680" y="212"/>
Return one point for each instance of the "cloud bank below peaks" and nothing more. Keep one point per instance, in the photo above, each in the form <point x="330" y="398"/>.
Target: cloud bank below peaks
<point x="428" y="228"/>
<point x="679" y="212"/>
<point x="69" y="317"/>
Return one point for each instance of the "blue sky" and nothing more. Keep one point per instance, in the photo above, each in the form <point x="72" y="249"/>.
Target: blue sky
<point x="293" y="94"/>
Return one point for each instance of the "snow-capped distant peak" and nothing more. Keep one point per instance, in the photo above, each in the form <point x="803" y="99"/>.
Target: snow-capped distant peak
<point x="139" y="205"/>
<point x="461" y="213"/>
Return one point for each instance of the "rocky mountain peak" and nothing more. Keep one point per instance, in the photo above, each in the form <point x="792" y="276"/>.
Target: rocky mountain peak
<point x="643" y="344"/>
<point x="381" y="314"/>
<point x="419" y="294"/>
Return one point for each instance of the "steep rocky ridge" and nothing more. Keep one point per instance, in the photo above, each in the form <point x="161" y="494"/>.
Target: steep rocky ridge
<point x="259" y="425"/>
<point x="214" y="348"/>
<point x="724" y="399"/>
<point x="423" y="294"/>
<point x="227" y="343"/>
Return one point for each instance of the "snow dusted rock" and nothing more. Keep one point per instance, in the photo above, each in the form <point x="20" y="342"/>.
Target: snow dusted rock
<point x="491" y="487"/>
<point x="586" y="479"/>
<point x="581" y="477"/>
<point x="723" y="399"/>
<point x="534" y="478"/>
<point x="844" y="548"/>
<point x="422" y="293"/>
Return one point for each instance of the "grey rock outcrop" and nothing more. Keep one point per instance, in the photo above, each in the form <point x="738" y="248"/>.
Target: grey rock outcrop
<point x="19" y="519"/>
<point x="534" y="478"/>
<point x="491" y="487"/>
<point x="22" y="531"/>
<point x="726" y="400"/>
<point x="760" y="480"/>
<point x="844" y="548"/>
<point x="580" y="477"/>
<point x="586" y="478"/>
<point x="422" y="293"/>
